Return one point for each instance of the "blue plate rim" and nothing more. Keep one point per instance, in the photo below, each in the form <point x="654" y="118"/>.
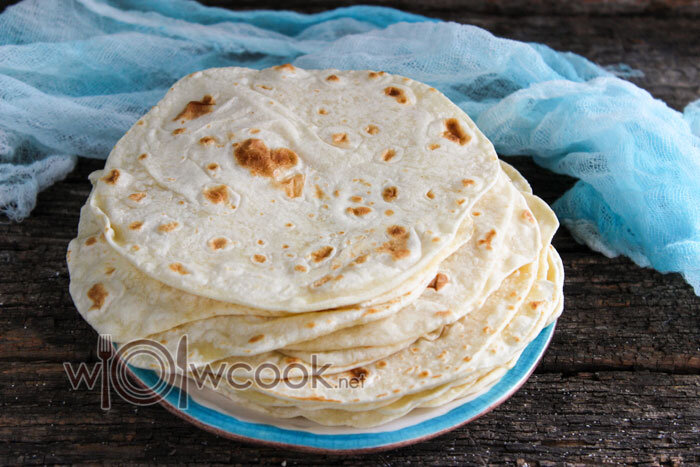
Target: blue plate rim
<point x="227" y="426"/>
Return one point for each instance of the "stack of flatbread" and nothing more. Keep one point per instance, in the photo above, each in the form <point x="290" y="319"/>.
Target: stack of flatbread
<point x="296" y="219"/>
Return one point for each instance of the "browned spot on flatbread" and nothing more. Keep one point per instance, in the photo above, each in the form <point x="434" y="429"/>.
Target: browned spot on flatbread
<point x="195" y="109"/>
<point x="254" y="131"/>
<point x="476" y="213"/>
<point x="423" y="374"/>
<point x="286" y="66"/>
<point x="397" y="246"/>
<point x="360" y="372"/>
<point x="430" y="194"/>
<point x="207" y="140"/>
<point x="487" y="239"/>
<point x="390" y="193"/>
<point x="487" y="330"/>
<point x="320" y="194"/>
<point x="438" y="282"/>
<point x="373" y="74"/>
<point x="322" y="281"/>
<point x="256" y="338"/>
<point x="322" y="253"/>
<point x="396" y="93"/>
<point x="433" y="146"/>
<point x="535" y="305"/>
<point x="396" y="231"/>
<point x="371" y="311"/>
<point x="217" y="194"/>
<point x="310" y="325"/>
<point x="267" y="88"/>
<point x="340" y="139"/>
<point x="97" y="294"/>
<point x="178" y="131"/>
<point x="254" y="155"/>
<point x="90" y="241"/>
<point x="527" y="215"/>
<point x="381" y="364"/>
<point x="360" y="259"/>
<point x="356" y="199"/>
<point x="136" y="225"/>
<point x="443" y="313"/>
<point x="372" y="129"/>
<point x="168" y="227"/>
<point x="332" y="78"/>
<point x="455" y="133"/>
<point x="317" y="398"/>
<point x="389" y="212"/>
<point x="213" y="166"/>
<point x="178" y="268"/>
<point x="300" y="268"/>
<point x="217" y="243"/>
<point x="359" y="211"/>
<point x="111" y="177"/>
<point x="388" y="155"/>
<point x="294" y="185"/>
<point x="259" y="258"/>
<point x="143" y="156"/>
<point x="109" y="270"/>
<point x="322" y="111"/>
<point x="137" y="196"/>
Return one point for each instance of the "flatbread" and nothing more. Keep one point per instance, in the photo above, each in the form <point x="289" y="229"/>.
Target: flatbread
<point x="488" y="365"/>
<point x="310" y="217"/>
<point x="506" y="237"/>
<point x="279" y="189"/>
<point x="118" y="299"/>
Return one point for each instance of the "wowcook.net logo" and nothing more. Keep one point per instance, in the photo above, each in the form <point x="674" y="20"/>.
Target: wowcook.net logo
<point x="176" y="373"/>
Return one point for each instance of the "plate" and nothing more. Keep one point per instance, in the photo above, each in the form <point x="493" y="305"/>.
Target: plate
<point x="211" y="412"/>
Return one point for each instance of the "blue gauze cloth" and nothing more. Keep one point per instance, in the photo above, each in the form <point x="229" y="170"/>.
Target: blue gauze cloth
<point x="75" y="75"/>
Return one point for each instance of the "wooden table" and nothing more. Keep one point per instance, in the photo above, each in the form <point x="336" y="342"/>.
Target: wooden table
<point x="620" y="382"/>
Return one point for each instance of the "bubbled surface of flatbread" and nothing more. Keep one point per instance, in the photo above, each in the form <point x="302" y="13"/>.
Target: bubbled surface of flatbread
<point x="295" y="190"/>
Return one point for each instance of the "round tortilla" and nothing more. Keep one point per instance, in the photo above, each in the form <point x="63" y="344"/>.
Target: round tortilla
<point x="292" y="190"/>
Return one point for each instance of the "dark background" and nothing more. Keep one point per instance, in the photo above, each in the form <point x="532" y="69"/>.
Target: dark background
<point x="619" y="384"/>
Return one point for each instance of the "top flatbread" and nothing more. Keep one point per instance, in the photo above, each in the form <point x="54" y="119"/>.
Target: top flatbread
<point x="294" y="190"/>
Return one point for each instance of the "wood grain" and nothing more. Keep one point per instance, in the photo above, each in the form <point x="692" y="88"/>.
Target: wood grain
<point x="620" y="382"/>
